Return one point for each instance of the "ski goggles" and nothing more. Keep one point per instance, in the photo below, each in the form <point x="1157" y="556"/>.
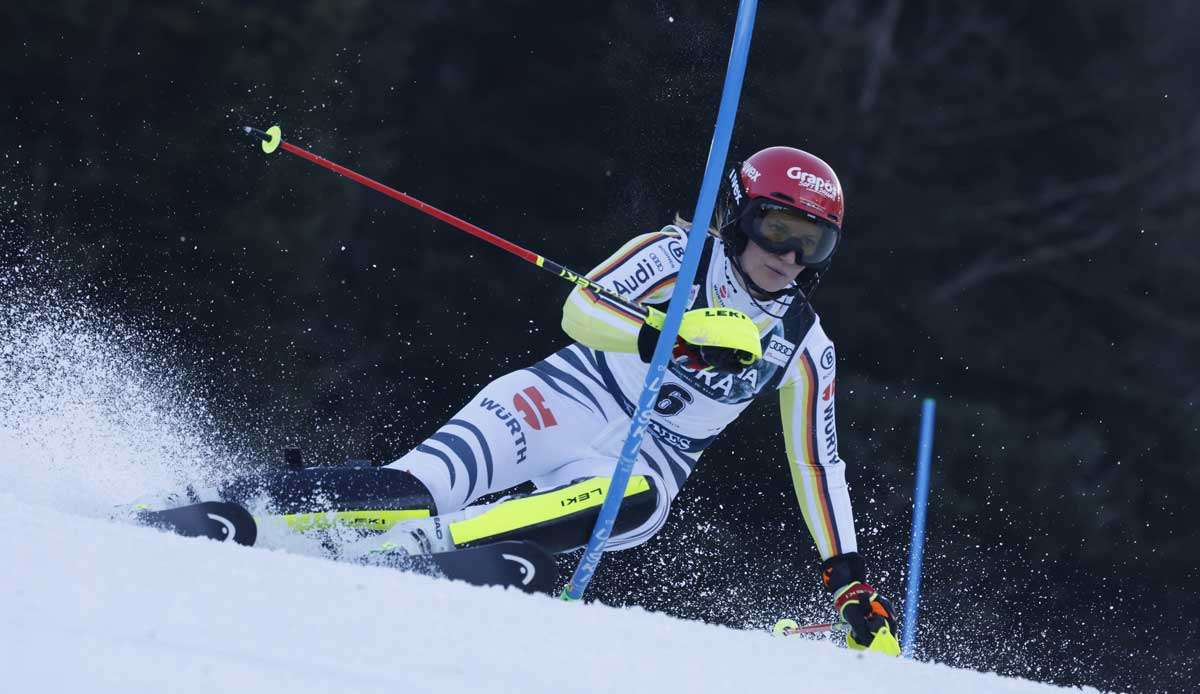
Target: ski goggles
<point x="779" y="229"/>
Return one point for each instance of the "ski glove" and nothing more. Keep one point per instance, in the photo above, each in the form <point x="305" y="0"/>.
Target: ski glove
<point x="718" y="338"/>
<point x="870" y="615"/>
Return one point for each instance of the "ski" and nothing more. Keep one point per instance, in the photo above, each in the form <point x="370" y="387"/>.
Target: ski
<point x="522" y="565"/>
<point x="217" y="520"/>
<point x="515" y="564"/>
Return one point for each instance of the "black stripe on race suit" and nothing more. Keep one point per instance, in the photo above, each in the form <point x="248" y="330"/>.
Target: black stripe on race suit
<point x="574" y="358"/>
<point x="556" y="372"/>
<point x="554" y="386"/>
<point x="483" y="444"/>
<point x="422" y="448"/>
<point x="610" y="383"/>
<point x="672" y="463"/>
<point x="656" y="429"/>
<point x="653" y="464"/>
<point x="462" y="449"/>
<point x="552" y="374"/>
<point x="588" y="354"/>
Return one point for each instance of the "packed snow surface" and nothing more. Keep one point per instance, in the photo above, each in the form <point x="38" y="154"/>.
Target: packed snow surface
<point x="95" y="413"/>
<point x="94" y="606"/>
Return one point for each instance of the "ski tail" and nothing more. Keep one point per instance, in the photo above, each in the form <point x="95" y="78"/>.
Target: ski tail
<point x="513" y="563"/>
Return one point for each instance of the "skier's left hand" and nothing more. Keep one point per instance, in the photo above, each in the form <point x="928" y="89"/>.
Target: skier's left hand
<point x="721" y="339"/>
<point x="870" y="615"/>
<point x="719" y="359"/>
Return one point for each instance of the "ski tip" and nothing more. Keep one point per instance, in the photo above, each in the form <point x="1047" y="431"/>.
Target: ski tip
<point x="222" y="521"/>
<point x="276" y="136"/>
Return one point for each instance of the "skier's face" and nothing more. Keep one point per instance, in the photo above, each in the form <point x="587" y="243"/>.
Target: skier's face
<point x="771" y="271"/>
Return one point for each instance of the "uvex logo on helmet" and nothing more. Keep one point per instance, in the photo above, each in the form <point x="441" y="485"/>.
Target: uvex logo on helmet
<point x="813" y="182"/>
<point x="734" y="188"/>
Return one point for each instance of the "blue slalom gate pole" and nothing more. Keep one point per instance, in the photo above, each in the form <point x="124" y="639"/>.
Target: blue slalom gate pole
<point x="916" y="547"/>
<point x="717" y="152"/>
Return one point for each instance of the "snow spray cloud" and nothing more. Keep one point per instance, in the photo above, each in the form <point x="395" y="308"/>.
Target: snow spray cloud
<point x="94" y="411"/>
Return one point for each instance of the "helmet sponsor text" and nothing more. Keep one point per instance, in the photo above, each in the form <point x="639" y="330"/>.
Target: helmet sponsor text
<point x="813" y="182"/>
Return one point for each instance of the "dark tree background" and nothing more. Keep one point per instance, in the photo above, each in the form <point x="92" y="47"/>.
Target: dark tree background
<point x="1021" y="183"/>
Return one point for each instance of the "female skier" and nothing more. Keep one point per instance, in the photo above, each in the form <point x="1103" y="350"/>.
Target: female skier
<point x="561" y="422"/>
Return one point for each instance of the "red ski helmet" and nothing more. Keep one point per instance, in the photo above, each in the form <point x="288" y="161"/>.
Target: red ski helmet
<point x="786" y="184"/>
<point x="788" y="180"/>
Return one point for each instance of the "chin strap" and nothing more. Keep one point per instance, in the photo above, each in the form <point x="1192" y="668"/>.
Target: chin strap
<point x="753" y="288"/>
<point x="790" y="290"/>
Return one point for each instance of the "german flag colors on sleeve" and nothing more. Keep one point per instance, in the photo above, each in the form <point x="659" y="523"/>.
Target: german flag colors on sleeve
<point x="806" y="404"/>
<point x="644" y="270"/>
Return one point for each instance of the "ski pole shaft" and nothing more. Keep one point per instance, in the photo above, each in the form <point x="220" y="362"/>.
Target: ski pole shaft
<point x="639" y="419"/>
<point x="273" y="139"/>
<point x="811" y="629"/>
<point x="789" y="627"/>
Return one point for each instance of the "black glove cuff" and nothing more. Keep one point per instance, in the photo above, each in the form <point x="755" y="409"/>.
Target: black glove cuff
<point x="647" y="339"/>
<point x="843" y="569"/>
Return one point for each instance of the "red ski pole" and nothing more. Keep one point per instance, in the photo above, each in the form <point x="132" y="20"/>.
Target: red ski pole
<point x="789" y="627"/>
<point x="272" y="139"/>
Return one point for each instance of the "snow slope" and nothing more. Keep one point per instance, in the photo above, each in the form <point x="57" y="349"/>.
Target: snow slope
<point x="92" y="606"/>
<point x="95" y="412"/>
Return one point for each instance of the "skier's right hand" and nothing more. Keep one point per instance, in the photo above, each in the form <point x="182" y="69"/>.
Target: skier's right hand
<point x="869" y="614"/>
<point x="718" y="338"/>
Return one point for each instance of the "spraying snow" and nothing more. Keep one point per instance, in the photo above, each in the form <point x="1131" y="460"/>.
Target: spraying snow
<point x="95" y="413"/>
<point x="87" y="419"/>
